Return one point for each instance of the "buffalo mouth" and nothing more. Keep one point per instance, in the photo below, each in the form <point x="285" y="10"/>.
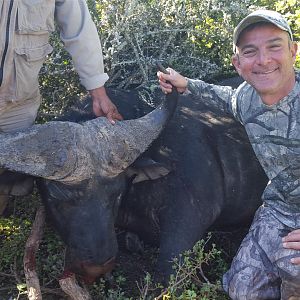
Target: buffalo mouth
<point x="87" y="271"/>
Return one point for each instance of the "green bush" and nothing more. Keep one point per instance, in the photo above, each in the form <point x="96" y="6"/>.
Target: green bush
<point x="194" y="37"/>
<point x="191" y="36"/>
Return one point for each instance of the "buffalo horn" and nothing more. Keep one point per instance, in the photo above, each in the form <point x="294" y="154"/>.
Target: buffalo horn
<point x="72" y="152"/>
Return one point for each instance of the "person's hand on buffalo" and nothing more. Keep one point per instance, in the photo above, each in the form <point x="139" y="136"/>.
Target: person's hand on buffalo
<point x="292" y="241"/>
<point x="173" y="78"/>
<point x="103" y="106"/>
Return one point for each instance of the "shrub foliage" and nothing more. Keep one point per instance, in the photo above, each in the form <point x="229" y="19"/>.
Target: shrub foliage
<point x="192" y="36"/>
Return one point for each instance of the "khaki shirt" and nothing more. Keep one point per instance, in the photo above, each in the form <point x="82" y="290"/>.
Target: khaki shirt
<point x="274" y="133"/>
<point x="25" y="26"/>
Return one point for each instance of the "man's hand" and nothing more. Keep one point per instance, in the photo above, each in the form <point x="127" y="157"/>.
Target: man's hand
<point x="102" y="105"/>
<point x="292" y="241"/>
<point x="174" y="78"/>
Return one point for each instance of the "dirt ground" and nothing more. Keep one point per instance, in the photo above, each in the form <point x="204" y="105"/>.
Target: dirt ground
<point x="135" y="266"/>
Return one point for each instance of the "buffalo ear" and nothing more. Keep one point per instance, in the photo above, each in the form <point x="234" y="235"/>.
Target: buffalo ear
<point x="146" y="168"/>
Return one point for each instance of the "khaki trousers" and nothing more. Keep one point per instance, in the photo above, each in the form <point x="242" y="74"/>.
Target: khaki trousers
<point x="19" y="116"/>
<point x="14" y="118"/>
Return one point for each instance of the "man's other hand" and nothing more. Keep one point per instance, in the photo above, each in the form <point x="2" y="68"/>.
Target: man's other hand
<point x="292" y="241"/>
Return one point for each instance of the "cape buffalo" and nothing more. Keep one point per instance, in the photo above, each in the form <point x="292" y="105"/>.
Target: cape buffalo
<point x="200" y="171"/>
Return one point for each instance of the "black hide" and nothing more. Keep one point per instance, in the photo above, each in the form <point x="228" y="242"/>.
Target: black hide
<point x="215" y="179"/>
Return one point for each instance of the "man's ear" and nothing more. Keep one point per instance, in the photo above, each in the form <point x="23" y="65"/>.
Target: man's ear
<point x="294" y="49"/>
<point x="236" y="62"/>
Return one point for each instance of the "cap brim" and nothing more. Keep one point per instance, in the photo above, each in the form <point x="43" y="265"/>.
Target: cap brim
<point x="252" y="19"/>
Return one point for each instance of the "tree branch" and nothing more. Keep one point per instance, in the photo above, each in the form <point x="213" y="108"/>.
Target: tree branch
<point x="70" y="286"/>
<point x="29" y="262"/>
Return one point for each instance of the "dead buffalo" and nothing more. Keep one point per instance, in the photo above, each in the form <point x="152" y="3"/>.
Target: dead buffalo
<point x="81" y="167"/>
<point x="200" y="172"/>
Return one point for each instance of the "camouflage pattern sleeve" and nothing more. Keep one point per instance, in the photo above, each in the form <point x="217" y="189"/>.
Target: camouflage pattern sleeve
<point x="216" y="96"/>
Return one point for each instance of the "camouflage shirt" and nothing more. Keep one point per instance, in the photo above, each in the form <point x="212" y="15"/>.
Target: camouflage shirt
<point x="274" y="132"/>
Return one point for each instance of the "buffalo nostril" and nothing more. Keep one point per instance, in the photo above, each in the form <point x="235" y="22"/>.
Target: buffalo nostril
<point x="111" y="261"/>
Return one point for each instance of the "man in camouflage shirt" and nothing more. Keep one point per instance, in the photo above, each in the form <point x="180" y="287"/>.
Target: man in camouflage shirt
<point x="268" y="105"/>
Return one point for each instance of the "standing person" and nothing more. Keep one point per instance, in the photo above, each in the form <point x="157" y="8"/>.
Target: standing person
<point x="268" y="105"/>
<point x="25" y="27"/>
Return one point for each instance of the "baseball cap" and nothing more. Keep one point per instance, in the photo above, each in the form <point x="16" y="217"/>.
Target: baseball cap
<point x="262" y="15"/>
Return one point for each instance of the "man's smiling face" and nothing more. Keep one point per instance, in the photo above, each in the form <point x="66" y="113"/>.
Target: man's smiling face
<point x="265" y="57"/>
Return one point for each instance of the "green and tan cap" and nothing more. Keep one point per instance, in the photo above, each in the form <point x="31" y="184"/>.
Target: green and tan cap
<point x="262" y="15"/>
